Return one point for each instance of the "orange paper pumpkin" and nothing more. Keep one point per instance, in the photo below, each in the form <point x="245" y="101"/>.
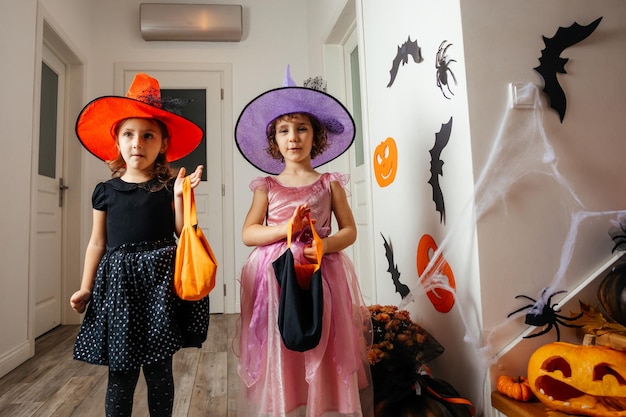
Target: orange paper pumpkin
<point x="577" y="379"/>
<point x="385" y="162"/>
<point x="441" y="298"/>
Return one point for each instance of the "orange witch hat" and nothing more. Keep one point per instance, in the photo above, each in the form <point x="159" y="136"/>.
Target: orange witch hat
<point x="95" y="123"/>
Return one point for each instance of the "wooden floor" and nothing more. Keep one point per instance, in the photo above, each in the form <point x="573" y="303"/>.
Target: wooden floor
<point x="53" y="384"/>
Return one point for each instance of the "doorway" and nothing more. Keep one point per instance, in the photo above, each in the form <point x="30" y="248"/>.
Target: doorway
<point x="361" y="195"/>
<point x="206" y="86"/>
<point x="50" y="195"/>
<point x="56" y="172"/>
<point x="342" y="68"/>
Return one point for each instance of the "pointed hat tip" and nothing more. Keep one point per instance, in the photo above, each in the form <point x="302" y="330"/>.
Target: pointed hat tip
<point x="288" y="81"/>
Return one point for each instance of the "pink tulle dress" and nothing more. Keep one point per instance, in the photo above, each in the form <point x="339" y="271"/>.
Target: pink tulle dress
<point x="332" y="379"/>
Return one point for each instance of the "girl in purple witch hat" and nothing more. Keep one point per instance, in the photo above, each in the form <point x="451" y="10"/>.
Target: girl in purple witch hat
<point x="288" y="132"/>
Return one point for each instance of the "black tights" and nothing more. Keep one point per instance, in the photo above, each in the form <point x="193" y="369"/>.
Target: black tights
<point x="160" y="383"/>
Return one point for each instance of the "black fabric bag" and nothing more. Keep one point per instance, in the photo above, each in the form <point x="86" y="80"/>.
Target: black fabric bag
<point x="301" y="297"/>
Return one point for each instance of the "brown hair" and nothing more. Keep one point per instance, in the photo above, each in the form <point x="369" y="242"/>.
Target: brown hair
<point x="320" y="136"/>
<point x="161" y="169"/>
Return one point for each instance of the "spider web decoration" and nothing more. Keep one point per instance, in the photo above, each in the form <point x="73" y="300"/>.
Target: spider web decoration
<point x="521" y="148"/>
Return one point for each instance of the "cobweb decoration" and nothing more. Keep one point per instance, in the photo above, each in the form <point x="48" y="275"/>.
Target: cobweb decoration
<point x="521" y="148"/>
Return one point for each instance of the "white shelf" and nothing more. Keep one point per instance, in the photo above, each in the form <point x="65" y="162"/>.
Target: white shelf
<point x="600" y="271"/>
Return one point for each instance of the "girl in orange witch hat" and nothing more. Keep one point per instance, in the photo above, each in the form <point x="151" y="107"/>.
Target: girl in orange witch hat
<point x="132" y="318"/>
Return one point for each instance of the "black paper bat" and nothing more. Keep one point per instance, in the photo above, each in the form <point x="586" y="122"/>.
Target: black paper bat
<point x="436" y="167"/>
<point x="551" y="61"/>
<point x="402" y="289"/>
<point x="402" y="57"/>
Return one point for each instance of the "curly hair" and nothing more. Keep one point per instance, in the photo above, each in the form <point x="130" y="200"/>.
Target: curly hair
<point x="320" y="136"/>
<point x="161" y="169"/>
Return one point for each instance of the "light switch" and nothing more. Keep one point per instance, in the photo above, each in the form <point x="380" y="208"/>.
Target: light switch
<point x="521" y="96"/>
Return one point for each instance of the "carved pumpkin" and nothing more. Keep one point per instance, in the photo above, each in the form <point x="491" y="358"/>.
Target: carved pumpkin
<point x="441" y="298"/>
<point x="385" y="162"/>
<point x="577" y="379"/>
<point x="612" y="294"/>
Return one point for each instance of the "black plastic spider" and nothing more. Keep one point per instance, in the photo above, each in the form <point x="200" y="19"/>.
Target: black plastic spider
<point x="442" y="63"/>
<point x="541" y="314"/>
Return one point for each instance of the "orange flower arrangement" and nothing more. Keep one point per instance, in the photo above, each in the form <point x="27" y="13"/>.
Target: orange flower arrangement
<point x="399" y="343"/>
<point x="402" y="385"/>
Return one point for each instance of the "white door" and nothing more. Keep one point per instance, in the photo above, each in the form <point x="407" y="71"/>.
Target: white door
<point x="50" y="195"/>
<point x="208" y="194"/>
<point x="360" y="199"/>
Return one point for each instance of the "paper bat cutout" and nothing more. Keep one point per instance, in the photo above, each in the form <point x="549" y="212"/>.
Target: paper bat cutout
<point x="401" y="289"/>
<point x="402" y="57"/>
<point x="436" y="167"/>
<point x="551" y="61"/>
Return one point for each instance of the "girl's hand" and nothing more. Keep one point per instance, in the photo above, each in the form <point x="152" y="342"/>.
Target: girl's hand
<point x="299" y="219"/>
<point x="195" y="178"/>
<point x="79" y="300"/>
<point x="310" y="251"/>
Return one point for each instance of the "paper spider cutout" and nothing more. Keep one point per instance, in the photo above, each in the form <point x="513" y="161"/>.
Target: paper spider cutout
<point x="442" y="64"/>
<point x="542" y="313"/>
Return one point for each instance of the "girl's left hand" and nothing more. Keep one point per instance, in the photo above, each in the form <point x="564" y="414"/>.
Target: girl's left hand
<point x="310" y="252"/>
<point x="194" y="177"/>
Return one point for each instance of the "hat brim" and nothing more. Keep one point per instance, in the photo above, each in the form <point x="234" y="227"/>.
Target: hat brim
<point x="94" y="126"/>
<point x="251" y="127"/>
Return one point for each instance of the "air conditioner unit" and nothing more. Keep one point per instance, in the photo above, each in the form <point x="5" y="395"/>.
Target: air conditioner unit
<point x="190" y="22"/>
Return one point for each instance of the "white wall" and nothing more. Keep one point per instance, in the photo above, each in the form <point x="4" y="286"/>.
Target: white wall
<point x="520" y="240"/>
<point x="411" y="111"/>
<point x="17" y="21"/>
<point x="523" y="239"/>
<point x="321" y="18"/>
<point x="20" y="44"/>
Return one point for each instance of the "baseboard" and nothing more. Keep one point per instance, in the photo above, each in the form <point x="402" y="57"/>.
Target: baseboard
<point x="15" y="357"/>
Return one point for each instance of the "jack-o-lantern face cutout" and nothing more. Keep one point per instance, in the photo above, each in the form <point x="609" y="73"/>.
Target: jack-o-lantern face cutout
<point x="442" y="297"/>
<point x="385" y="162"/>
<point x="577" y="379"/>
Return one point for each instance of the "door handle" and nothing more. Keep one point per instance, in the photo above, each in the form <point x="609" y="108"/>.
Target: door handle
<point x="62" y="187"/>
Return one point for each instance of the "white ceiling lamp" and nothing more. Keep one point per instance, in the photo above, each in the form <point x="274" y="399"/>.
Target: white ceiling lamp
<point x="190" y="22"/>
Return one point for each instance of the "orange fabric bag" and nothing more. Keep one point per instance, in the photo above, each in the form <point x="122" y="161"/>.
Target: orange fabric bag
<point x="195" y="267"/>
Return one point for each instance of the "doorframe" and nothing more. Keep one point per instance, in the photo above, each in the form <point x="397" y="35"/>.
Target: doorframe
<point x="227" y="264"/>
<point x="345" y="25"/>
<point x="48" y="33"/>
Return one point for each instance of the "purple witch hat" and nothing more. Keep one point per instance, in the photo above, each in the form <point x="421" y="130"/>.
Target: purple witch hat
<point x="251" y="127"/>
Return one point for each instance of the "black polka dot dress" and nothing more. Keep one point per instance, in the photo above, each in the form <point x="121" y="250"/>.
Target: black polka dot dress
<point x="134" y="317"/>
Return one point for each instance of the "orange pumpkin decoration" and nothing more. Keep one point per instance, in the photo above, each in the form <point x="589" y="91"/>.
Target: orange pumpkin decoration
<point x="441" y="298"/>
<point x="578" y="379"/>
<point x="386" y="162"/>
<point x="514" y="387"/>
